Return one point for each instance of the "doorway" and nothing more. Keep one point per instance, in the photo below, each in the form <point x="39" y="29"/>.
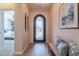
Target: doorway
<point x="39" y="28"/>
<point x="7" y="39"/>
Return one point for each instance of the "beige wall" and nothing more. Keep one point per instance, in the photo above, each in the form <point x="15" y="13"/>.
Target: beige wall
<point x="25" y="35"/>
<point x="21" y="37"/>
<point x="7" y="6"/>
<point x="66" y="34"/>
<point x="46" y="14"/>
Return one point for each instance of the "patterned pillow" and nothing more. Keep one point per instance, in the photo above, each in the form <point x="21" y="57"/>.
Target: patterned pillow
<point x="57" y="40"/>
<point x="73" y="50"/>
<point x="63" y="48"/>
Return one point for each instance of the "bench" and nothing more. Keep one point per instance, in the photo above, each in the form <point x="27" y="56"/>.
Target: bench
<point x="53" y="49"/>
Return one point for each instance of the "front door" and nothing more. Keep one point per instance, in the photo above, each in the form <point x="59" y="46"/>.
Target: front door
<point x="39" y="28"/>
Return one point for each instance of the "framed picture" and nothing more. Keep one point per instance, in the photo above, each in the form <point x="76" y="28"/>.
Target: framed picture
<point x="68" y="16"/>
<point x="25" y="21"/>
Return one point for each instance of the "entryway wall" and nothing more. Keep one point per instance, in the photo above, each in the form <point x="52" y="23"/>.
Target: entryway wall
<point x="33" y="13"/>
<point x="66" y="34"/>
<point x="21" y="36"/>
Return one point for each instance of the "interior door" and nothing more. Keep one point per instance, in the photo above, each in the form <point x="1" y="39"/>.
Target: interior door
<point x="1" y="29"/>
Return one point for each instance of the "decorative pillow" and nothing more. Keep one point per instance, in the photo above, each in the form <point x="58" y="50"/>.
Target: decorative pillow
<point x="73" y="50"/>
<point x="63" y="48"/>
<point x="57" y="40"/>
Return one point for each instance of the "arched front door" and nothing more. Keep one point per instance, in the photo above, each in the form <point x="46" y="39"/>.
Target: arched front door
<point x="39" y="28"/>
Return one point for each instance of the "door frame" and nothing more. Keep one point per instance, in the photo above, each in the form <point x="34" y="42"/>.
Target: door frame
<point x="1" y="29"/>
<point x="44" y="25"/>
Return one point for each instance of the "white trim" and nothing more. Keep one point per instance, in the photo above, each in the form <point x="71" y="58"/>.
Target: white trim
<point x="21" y="52"/>
<point x="18" y="53"/>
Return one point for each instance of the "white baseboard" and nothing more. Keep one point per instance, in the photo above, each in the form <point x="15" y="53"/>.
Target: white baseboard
<point x="31" y="42"/>
<point x="18" y="53"/>
<point x="21" y="52"/>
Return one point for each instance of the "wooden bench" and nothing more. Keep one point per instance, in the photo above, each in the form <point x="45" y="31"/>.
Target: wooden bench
<point x="53" y="49"/>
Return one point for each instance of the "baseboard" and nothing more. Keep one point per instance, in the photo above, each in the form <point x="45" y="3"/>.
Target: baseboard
<point x="21" y="52"/>
<point x="18" y="53"/>
<point x="31" y="42"/>
<point x="25" y="48"/>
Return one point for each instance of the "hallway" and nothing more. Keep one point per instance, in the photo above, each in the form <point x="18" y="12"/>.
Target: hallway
<point x="37" y="25"/>
<point x="37" y="49"/>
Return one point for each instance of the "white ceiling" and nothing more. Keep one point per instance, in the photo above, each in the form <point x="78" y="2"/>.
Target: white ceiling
<point x="39" y="6"/>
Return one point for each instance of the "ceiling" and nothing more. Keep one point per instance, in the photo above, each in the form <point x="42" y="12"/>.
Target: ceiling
<point x="39" y="6"/>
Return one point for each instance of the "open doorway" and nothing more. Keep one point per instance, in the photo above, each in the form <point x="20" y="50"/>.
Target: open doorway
<point x="7" y="32"/>
<point x="39" y="28"/>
